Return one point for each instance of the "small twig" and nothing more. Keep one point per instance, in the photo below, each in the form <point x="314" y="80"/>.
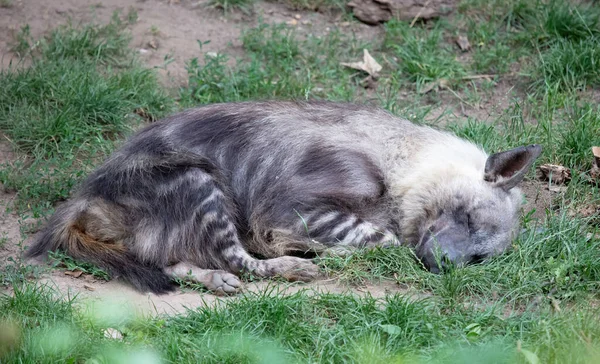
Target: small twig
<point x="476" y="77"/>
<point x="419" y="14"/>
<point x="460" y="98"/>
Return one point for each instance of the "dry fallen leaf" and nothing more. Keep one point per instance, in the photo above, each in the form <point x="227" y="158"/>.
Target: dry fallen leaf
<point x="463" y="43"/>
<point x="595" y="172"/>
<point x="555" y="304"/>
<point x="88" y="287"/>
<point x="555" y="173"/>
<point x="111" y="333"/>
<point x="75" y="273"/>
<point x="587" y="210"/>
<point x="428" y="87"/>
<point x="558" y="189"/>
<point x="442" y="83"/>
<point x="153" y="43"/>
<point x="596" y="153"/>
<point x="368" y="64"/>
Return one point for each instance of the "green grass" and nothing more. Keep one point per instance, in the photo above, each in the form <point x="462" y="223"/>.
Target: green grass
<point x="316" y="5"/>
<point x="61" y="260"/>
<point x="272" y="328"/>
<point x="276" y="68"/>
<point x="231" y="5"/>
<point x="81" y="90"/>
<point x="553" y="43"/>
<point x="422" y="56"/>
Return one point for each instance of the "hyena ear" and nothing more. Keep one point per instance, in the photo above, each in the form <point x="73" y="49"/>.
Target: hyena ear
<point x="507" y="169"/>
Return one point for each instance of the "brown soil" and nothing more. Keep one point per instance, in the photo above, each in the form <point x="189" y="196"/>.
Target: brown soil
<point x="171" y="29"/>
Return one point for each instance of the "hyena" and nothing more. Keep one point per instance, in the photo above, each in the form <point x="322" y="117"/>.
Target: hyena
<point x="245" y="187"/>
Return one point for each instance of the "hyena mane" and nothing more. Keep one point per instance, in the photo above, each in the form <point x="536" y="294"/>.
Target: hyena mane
<point x="205" y="193"/>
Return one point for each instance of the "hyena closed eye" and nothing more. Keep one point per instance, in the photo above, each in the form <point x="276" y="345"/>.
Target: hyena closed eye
<point x="201" y="194"/>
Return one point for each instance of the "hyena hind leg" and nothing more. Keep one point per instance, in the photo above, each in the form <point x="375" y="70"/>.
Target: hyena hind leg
<point x="214" y="236"/>
<point x="217" y="281"/>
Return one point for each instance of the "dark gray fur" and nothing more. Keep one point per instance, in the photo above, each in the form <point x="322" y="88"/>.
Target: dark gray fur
<point x="210" y="184"/>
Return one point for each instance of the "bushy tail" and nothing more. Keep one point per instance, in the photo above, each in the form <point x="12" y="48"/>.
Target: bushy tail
<point x="64" y="231"/>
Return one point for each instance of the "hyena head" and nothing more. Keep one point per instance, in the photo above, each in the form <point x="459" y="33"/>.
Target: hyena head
<point x="466" y="220"/>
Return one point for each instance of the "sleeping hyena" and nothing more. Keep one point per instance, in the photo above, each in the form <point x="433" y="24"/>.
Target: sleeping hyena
<point x="194" y="195"/>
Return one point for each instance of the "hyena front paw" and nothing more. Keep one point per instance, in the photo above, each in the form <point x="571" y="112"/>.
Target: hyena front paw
<point x="223" y="283"/>
<point x="293" y="269"/>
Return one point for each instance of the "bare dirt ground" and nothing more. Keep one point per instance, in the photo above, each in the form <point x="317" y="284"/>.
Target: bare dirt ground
<point x="171" y="29"/>
<point x="168" y="28"/>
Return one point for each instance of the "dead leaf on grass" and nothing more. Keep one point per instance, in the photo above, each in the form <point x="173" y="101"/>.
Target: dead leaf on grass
<point x="88" y="287"/>
<point x="368" y="64"/>
<point x="144" y="114"/>
<point x="434" y="85"/>
<point x="583" y="211"/>
<point x="428" y="87"/>
<point x="74" y="273"/>
<point x="555" y="304"/>
<point x="558" y="189"/>
<point x="153" y="43"/>
<point x="595" y="172"/>
<point x="111" y="333"/>
<point x="587" y="210"/>
<point x="463" y="43"/>
<point x="555" y="173"/>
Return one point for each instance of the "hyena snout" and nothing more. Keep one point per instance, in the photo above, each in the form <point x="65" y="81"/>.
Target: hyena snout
<point x="447" y="242"/>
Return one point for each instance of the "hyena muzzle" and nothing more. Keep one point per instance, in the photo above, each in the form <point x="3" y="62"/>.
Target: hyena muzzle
<point x="194" y="195"/>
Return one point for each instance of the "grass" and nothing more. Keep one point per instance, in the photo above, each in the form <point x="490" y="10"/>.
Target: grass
<point x="60" y="259"/>
<point x="422" y="55"/>
<point x="275" y="68"/>
<point x="317" y="5"/>
<point x="80" y="90"/>
<point x="83" y="89"/>
<point x="268" y="327"/>
<point x="231" y="5"/>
